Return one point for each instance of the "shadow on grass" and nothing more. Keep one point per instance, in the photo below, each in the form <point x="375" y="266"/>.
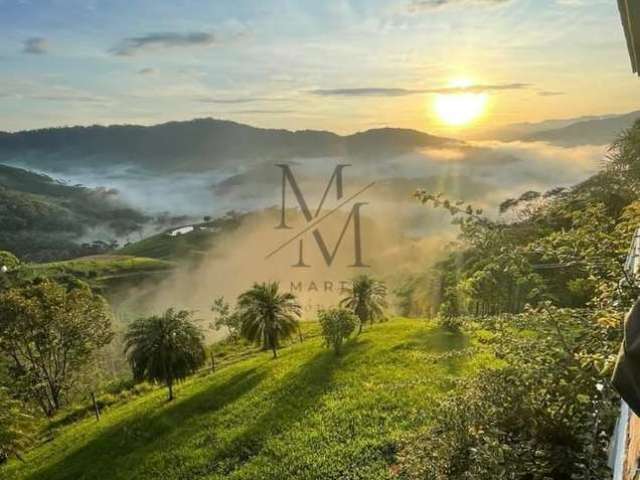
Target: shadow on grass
<point x="435" y="340"/>
<point x="446" y="348"/>
<point x="296" y="396"/>
<point x="99" y="457"/>
<point x="150" y="434"/>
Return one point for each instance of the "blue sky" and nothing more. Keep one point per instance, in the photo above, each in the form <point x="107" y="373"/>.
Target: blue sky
<point x="339" y="65"/>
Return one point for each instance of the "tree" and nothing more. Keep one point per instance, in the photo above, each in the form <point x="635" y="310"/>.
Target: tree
<point x="337" y="324"/>
<point x="268" y="316"/>
<point x="226" y="317"/>
<point x="49" y="333"/>
<point x="366" y="298"/>
<point x="164" y="348"/>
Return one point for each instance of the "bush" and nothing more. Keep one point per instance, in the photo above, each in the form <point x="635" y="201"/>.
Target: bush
<point x="541" y="416"/>
<point x="337" y="324"/>
<point x="451" y="323"/>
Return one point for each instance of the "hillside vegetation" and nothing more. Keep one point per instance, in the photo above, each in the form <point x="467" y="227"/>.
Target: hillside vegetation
<point x="187" y="246"/>
<point x="200" y="144"/>
<point x="309" y="414"/>
<point x="43" y="219"/>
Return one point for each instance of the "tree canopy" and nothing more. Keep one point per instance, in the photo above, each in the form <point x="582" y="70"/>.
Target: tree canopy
<point x="165" y="348"/>
<point x="48" y="333"/>
<point x="268" y="315"/>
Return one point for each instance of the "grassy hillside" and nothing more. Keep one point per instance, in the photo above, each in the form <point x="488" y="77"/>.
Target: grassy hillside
<point x="305" y="415"/>
<point x="108" y="274"/>
<point x="187" y="246"/>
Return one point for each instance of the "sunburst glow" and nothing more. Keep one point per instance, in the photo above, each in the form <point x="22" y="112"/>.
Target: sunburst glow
<point x="460" y="108"/>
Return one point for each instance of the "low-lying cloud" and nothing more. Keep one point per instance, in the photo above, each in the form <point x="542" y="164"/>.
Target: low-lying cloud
<point x="399" y="232"/>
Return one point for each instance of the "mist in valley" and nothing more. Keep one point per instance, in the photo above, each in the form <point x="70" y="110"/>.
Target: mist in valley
<point x="399" y="236"/>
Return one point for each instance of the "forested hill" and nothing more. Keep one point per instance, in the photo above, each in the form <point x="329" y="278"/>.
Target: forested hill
<point x="42" y="219"/>
<point x="195" y="145"/>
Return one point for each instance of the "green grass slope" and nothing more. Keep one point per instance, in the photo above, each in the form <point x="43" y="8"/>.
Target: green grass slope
<point x="99" y="270"/>
<point x="111" y="275"/>
<point x="306" y="415"/>
<point x="162" y="246"/>
<point x="188" y="246"/>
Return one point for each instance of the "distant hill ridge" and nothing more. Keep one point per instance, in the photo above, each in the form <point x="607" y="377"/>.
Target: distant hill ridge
<point x="593" y="131"/>
<point x="196" y="145"/>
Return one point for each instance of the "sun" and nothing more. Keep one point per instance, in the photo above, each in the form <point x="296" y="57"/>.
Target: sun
<point x="462" y="107"/>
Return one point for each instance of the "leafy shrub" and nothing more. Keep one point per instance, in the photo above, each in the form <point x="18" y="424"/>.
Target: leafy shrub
<point x="452" y="323"/>
<point x="544" y="415"/>
<point x="337" y="324"/>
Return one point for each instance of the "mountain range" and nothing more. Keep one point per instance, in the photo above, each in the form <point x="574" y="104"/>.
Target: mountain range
<point x="589" y="131"/>
<point x="206" y="144"/>
<point x="195" y="145"/>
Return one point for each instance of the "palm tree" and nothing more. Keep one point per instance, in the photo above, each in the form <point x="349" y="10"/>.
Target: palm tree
<point x="268" y="316"/>
<point x="164" y="348"/>
<point x="366" y="298"/>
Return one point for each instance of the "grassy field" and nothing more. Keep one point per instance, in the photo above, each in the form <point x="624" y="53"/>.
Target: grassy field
<point x="97" y="266"/>
<point x="106" y="271"/>
<point x="188" y="246"/>
<point x="306" y="415"/>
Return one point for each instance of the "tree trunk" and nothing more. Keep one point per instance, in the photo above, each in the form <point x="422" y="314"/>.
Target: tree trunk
<point x="213" y="362"/>
<point x="96" y="410"/>
<point x="275" y="352"/>
<point x="360" y="328"/>
<point x="170" y="385"/>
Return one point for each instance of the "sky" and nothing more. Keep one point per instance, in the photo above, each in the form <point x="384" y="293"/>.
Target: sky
<point x="339" y="65"/>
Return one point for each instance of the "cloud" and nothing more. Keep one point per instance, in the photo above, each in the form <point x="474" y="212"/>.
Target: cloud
<point x="365" y="92"/>
<point x="263" y="111"/>
<point x="238" y="100"/>
<point x="35" y="46"/>
<point x="399" y="92"/>
<point x="550" y="93"/>
<point x="132" y="45"/>
<point x="147" y="71"/>
<point x="417" y="6"/>
<point x="65" y="94"/>
<point x="481" y="88"/>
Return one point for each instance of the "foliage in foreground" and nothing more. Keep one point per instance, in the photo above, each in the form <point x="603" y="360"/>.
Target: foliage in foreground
<point x="337" y="325"/>
<point x="544" y="415"/>
<point x="548" y="413"/>
<point x="165" y="348"/>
